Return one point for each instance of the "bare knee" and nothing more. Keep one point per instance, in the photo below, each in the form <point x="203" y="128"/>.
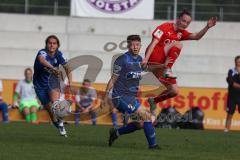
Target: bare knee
<point x="173" y="90"/>
<point x="26" y="111"/>
<point x="33" y="109"/>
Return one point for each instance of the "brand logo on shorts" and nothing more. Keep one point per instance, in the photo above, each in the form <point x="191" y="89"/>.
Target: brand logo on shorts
<point x="114" y="6"/>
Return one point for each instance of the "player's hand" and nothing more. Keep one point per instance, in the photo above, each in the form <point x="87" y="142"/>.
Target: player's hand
<point x="56" y="71"/>
<point x="212" y="22"/>
<point x="15" y="105"/>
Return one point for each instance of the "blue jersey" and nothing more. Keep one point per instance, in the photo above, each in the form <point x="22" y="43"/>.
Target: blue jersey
<point x="41" y="75"/>
<point x="128" y="69"/>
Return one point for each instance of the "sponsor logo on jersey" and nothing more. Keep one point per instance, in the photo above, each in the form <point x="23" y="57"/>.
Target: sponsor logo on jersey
<point x="114" y="6"/>
<point x="179" y="35"/>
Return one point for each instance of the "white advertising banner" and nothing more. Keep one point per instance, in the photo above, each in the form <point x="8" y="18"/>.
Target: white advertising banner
<point x="130" y="9"/>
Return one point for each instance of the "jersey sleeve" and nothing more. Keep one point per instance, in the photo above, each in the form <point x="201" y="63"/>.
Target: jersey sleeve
<point x="61" y="59"/>
<point x="185" y="34"/>
<point x="118" y="65"/>
<point x="93" y="94"/>
<point x="18" y="88"/>
<point x="158" y="32"/>
<point x="230" y="77"/>
<point x="42" y="53"/>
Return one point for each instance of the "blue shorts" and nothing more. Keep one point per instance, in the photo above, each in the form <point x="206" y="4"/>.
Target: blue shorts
<point x="43" y="92"/>
<point x="43" y="95"/>
<point x="126" y="104"/>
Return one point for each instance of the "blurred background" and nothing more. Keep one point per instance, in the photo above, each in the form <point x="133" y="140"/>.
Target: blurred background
<point x="97" y="31"/>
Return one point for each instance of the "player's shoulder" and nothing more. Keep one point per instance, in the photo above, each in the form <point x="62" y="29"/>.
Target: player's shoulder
<point x="233" y="71"/>
<point x="165" y="25"/>
<point x="42" y="52"/>
<point x="121" y="58"/>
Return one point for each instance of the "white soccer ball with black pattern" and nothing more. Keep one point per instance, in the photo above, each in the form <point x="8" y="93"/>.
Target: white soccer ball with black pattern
<point x="61" y="108"/>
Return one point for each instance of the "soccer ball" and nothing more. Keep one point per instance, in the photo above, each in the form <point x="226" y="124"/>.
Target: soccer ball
<point x="61" y="108"/>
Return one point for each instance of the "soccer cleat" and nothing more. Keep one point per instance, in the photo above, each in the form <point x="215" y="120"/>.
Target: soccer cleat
<point x="168" y="74"/>
<point x="61" y="128"/>
<point x="155" y="147"/>
<point x="152" y="105"/>
<point x="225" y="130"/>
<point x="62" y="131"/>
<point x="112" y="136"/>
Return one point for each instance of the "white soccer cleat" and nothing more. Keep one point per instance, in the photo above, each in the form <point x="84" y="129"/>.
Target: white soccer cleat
<point x="62" y="130"/>
<point x="169" y="74"/>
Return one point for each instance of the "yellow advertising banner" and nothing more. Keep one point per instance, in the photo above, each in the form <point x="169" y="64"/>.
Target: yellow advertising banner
<point x="212" y="101"/>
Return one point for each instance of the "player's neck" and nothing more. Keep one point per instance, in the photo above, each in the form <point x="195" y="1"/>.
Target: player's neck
<point x="133" y="55"/>
<point x="175" y="27"/>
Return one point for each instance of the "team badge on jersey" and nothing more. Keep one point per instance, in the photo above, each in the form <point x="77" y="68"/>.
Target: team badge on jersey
<point x="116" y="69"/>
<point x="158" y="33"/>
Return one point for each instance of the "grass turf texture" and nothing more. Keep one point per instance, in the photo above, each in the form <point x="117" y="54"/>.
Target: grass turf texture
<point x="23" y="141"/>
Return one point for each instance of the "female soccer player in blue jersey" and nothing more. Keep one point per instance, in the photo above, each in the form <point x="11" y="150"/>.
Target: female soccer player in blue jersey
<point x="124" y="84"/>
<point x="46" y="83"/>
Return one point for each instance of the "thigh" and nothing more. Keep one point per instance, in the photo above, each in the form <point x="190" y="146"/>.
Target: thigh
<point x="126" y="104"/>
<point x="165" y="81"/>
<point x="158" y="55"/>
<point x="231" y="104"/>
<point x="43" y="96"/>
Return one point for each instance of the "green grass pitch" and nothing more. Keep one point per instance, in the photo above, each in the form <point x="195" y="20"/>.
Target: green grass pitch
<point x="21" y="141"/>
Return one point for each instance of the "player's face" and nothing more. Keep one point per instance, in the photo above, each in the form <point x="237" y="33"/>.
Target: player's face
<point x="183" y="22"/>
<point x="52" y="45"/>
<point x="28" y="75"/>
<point x="86" y="84"/>
<point x="237" y="63"/>
<point x="134" y="47"/>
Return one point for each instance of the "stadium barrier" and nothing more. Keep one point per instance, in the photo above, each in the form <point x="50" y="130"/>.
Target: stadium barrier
<point x="212" y="101"/>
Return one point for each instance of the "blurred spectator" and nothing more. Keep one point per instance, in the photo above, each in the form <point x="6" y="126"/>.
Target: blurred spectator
<point x="233" y="80"/>
<point x="85" y="98"/>
<point x="3" y="105"/>
<point x="28" y="101"/>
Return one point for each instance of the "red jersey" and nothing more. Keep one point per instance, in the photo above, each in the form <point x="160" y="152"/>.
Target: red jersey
<point x="165" y="33"/>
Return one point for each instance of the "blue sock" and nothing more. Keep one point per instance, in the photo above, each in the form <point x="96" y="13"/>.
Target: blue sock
<point x="114" y="119"/>
<point x="4" y="108"/>
<point x="131" y="127"/>
<point x="55" y="124"/>
<point x="94" y="118"/>
<point x="125" y="119"/>
<point x="77" y="117"/>
<point x="149" y="133"/>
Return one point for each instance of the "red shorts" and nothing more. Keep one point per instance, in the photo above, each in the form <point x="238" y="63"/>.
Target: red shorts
<point x="159" y="56"/>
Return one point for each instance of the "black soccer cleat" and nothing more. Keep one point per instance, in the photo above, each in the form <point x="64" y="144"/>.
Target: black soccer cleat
<point x="155" y="147"/>
<point x="112" y="136"/>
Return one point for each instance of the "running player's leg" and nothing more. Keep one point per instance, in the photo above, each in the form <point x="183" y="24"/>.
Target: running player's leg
<point x="172" y="51"/>
<point x="171" y="90"/>
<point x="143" y="119"/>
<point x="231" y="107"/>
<point x="54" y="95"/>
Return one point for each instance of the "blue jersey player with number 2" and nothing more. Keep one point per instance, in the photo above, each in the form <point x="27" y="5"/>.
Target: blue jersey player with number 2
<point x="124" y="83"/>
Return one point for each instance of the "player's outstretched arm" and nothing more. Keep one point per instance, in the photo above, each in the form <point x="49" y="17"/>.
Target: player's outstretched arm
<point x="196" y="36"/>
<point x="149" y="50"/>
<point x="110" y="84"/>
<point x="68" y="72"/>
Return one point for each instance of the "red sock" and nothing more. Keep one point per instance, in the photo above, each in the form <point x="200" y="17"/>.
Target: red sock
<point x="173" y="55"/>
<point x="163" y="96"/>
